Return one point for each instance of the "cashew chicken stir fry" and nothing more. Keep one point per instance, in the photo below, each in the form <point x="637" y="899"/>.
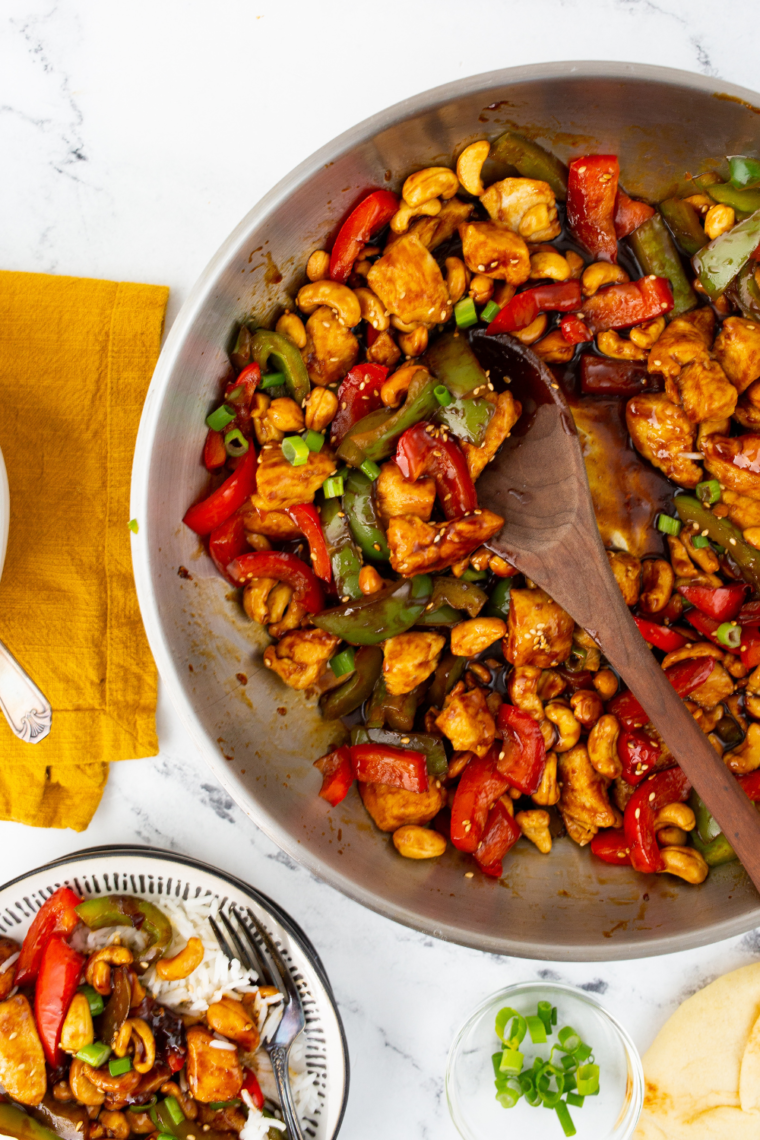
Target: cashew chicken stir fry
<point x="349" y="440"/>
<point x="86" y="1050"/>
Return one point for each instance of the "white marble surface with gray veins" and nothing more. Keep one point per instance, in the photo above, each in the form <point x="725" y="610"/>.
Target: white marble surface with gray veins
<point x="133" y="139"/>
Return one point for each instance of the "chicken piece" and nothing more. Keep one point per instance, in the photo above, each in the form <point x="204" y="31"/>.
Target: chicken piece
<point x="737" y="350"/>
<point x="409" y="282"/>
<point x="539" y="631"/>
<point x="331" y="349"/>
<point x="265" y="430"/>
<point x="22" y="1061"/>
<point x="274" y="524"/>
<point x="718" y="686"/>
<point x="434" y="231"/>
<point x="506" y="414"/>
<point x="746" y="414"/>
<point x="745" y="758"/>
<point x="279" y="484"/>
<point x="493" y="249"/>
<point x="229" y="1120"/>
<point x="583" y="804"/>
<point x="418" y="547"/>
<point x="685" y="339"/>
<point x="469" y="638"/>
<point x="398" y="496"/>
<point x="231" y="1018"/>
<point x="742" y="511"/>
<point x="409" y="659"/>
<point x="627" y="570"/>
<point x="534" y="825"/>
<point x="212" y="1074"/>
<point x="392" y="808"/>
<point x="384" y="350"/>
<point x="526" y="205"/>
<point x="662" y="433"/>
<point x="704" y="390"/>
<point x="300" y="658"/>
<point x="734" y="462"/>
<point x="466" y="720"/>
<point x="8" y="947"/>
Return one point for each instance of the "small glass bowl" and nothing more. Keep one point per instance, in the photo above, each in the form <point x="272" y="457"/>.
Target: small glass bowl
<point x="470" y="1091"/>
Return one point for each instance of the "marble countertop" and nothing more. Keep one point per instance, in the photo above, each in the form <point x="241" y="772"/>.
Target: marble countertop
<point x="134" y="137"/>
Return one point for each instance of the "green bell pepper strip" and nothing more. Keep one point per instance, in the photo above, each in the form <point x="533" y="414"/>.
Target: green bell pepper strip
<point x="376" y="435"/>
<point x="532" y="161"/>
<point x="722" y="531"/>
<point x="373" y="619"/>
<point x="744" y="171"/>
<point x="685" y="225"/>
<point x="431" y="746"/>
<point x="67" y="1119"/>
<point x="397" y="712"/>
<point x="265" y="343"/>
<point x="441" y="615"/>
<point x="498" y="603"/>
<point x="466" y="419"/>
<point x="241" y="353"/>
<point x="453" y="363"/>
<point x="744" y="202"/>
<point x="719" y="262"/>
<point x="707" y="836"/>
<point x="747" y="294"/>
<point x="348" y="697"/>
<point x="126" y="910"/>
<point x="656" y="253"/>
<point x="14" y="1122"/>
<point x="450" y="669"/>
<point x="345" y="559"/>
<point x="361" y="512"/>
<point x="459" y="594"/>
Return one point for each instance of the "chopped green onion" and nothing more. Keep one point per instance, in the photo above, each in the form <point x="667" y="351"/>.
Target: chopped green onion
<point x="699" y="541"/>
<point x="668" y="525"/>
<point x="730" y="634"/>
<point x="537" y="1030"/>
<point x="490" y="311"/>
<point x="442" y="395"/>
<point x="133" y="525"/>
<point x="544" y="1007"/>
<point x="554" y="1015"/>
<point x="220" y="417"/>
<point x="235" y="442"/>
<point x="95" y="1054"/>
<point x="569" y="1040"/>
<point x="496" y="1060"/>
<point x="570" y="1081"/>
<point x="565" y="1119"/>
<point x="175" y="1112"/>
<point x="511" y="1062"/>
<point x="119" y="1065"/>
<point x="549" y="1096"/>
<point x="473" y="575"/>
<point x="165" y="1136"/>
<point x="370" y="469"/>
<point x="272" y="380"/>
<point x="582" y="1053"/>
<point x="217" y="1105"/>
<point x="709" y="491"/>
<point x="465" y="313"/>
<point x="718" y="548"/>
<point x="569" y="1061"/>
<point x="588" y="1080"/>
<point x="144" y="1107"/>
<point x="343" y="663"/>
<point x="233" y="395"/>
<point x="332" y="488"/>
<point x="94" y="999"/>
<point x="314" y="441"/>
<point x="517" y="1030"/>
<point x="509" y="1092"/>
<point x="295" y="450"/>
<point x="575" y="1099"/>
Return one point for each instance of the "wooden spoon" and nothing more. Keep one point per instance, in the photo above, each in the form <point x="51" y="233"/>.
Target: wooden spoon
<point x="538" y="484"/>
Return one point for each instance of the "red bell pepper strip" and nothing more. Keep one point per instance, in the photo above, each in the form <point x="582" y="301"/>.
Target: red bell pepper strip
<point x="361" y="225"/>
<point x="751" y="785"/>
<point x="420" y="453"/>
<point x="749" y="650"/>
<point x="660" y="636"/>
<point x="638" y="754"/>
<point x="239" y="394"/>
<point x="620" y="306"/>
<point x="285" y="568"/>
<point x="660" y="789"/>
<point x="57" y="981"/>
<point x="501" y="832"/>
<point x="592" y="187"/>
<point x="721" y="603"/>
<point x="707" y="626"/>
<point x="630" y="214"/>
<point x="253" y="1088"/>
<point x="214" y="451"/>
<point x="574" y="330"/>
<point x="479" y="787"/>
<point x="207" y="515"/>
<point x="523" y="752"/>
<point x="57" y="915"/>
<point x="611" y="845"/>
<point x="306" y="518"/>
<point x="384" y="764"/>
<point x="337" y="775"/>
<point x="524" y="307"/>
<point x="685" y="677"/>
<point x="228" y="542"/>
<point x="601" y="377"/>
<point x="358" y="395"/>
<point x="749" y="614"/>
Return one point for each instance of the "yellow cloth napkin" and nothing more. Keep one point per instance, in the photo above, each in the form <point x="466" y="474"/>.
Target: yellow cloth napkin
<point x="76" y="357"/>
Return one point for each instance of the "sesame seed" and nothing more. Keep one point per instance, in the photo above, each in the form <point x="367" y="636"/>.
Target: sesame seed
<point x="637" y="813"/>
<point x="469" y="874"/>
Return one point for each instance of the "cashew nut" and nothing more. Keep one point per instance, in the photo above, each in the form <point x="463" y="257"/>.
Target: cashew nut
<point x="321" y="406"/>
<point x="115" y="1124"/>
<point x="746" y="758"/>
<point x="318" y="265"/>
<point x="550" y="685"/>
<point x="606" y="684"/>
<point x="704" y="556"/>
<point x="403" y="216"/>
<point x="672" y="837"/>
<point x="657" y="581"/>
<point x="291" y="326"/>
<point x="549" y="733"/>
<point x="139" y="1030"/>
<point x="397" y="385"/>
<point x="686" y="862"/>
<point x="695" y="649"/>
<point x="457" y="278"/>
<point x="372" y="309"/>
<point x="432" y="182"/>
<point x="539" y="223"/>
<point x="646" y="335"/>
<point x="182" y="964"/>
<point x="415" y="342"/>
<point x="675" y="815"/>
<point x="549" y="264"/>
<point x="587" y="706"/>
<point x="98" y="970"/>
<point x="718" y="219"/>
<point x="752" y="536"/>
<point x="415" y="842"/>
<point x="554" y="349"/>
<point x="369" y="580"/>
<point x="83" y="1089"/>
<point x="481" y="288"/>
<point x="548" y="790"/>
<point x="77" y="1030"/>
<point x="285" y="415"/>
<point x="532" y="332"/>
<point x="568" y="727"/>
<point x="503" y="292"/>
<point x="602" y="747"/>
<point x="679" y="557"/>
<point x="534" y="825"/>
<point x="576" y="263"/>
<point x="613" y="345"/>
<point x="255" y="596"/>
<point x="522" y="687"/>
<point x="266" y="432"/>
<point x="342" y="300"/>
<point x="701" y="202"/>
<point x="601" y="273"/>
<point x="278" y="601"/>
<point x="470" y="164"/>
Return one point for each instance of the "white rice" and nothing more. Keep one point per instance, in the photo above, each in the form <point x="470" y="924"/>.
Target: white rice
<point x="213" y="979"/>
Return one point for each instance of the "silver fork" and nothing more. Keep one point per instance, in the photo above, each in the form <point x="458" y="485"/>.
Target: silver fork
<point x="268" y="963"/>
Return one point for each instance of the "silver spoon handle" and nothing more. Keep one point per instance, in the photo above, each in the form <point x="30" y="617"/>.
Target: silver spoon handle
<point x="279" y="1058"/>
<point x="26" y="709"/>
